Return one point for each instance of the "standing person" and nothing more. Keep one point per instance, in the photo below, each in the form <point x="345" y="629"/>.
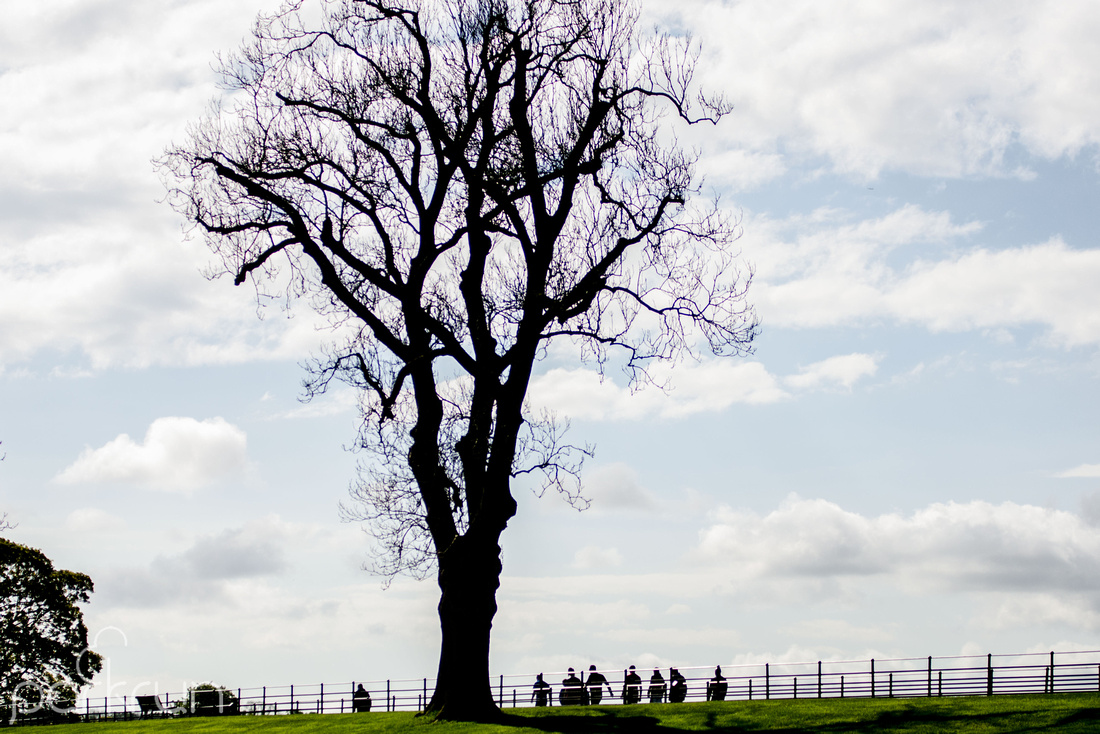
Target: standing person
<point x="594" y="685"/>
<point x="572" y="690"/>
<point x="656" y="687"/>
<point x="632" y="686"/>
<point x="678" y="686"/>
<point x="542" y="691"/>
<point x="717" y="686"/>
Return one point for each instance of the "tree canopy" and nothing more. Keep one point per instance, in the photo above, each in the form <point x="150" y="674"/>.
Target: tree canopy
<point x="44" y="654"/>
<point x="457" y="184"/>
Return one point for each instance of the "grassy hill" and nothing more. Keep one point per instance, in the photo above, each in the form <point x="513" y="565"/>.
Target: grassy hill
<point x="1061" y="713"/>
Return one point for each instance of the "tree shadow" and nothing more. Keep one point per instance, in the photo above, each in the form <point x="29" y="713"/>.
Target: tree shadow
<point x="609" y="722"/>
<point x="593" y="720"/>
<point x="1092" y="714"/>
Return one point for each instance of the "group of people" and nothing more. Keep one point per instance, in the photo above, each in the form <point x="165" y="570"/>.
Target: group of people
<point x="589" y="692"/>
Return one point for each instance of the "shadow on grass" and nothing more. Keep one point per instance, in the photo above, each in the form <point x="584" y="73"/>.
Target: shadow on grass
<point x="1082" y="715"/>
<point x="594" y="721"/>
<point x="608" y="722"/>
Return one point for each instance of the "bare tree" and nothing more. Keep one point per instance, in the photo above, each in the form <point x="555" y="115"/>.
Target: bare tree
<point x="5" y="523"/>
<point x="457" y="183"/>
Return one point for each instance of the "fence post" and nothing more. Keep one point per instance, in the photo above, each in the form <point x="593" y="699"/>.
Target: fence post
<point x="263" y="701"/>
<point x="842" y="686"/>
<point x="292" y="704"/>
<point x="989" y="674"/>
<point x="750" y="689"/>
<point x="322" y="699"/>
<point x="1052" y="671"/>
<point x="939" y="685"/>
<point x="425" y="694"/>
<point x="929" y="676"/>
<point x="819" y="679"/>
<point x="872" y="677"/>
<point x="796" y="687"/>
<point x="891" y="693"/>
<point x="387" y="694"/>
<point x="767" y="681"/>
<point x="500" y="696"/>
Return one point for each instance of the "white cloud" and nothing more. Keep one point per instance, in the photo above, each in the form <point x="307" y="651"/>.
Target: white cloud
<point x="209" y="569"/>
<point x="1048" y="284"/>
<point x="90" y="263"/>
<point x="1086" y="471"/>
<point x="932" y="87"/>
<point x="972" y="546"/>
<point x="837" y="629"/>
<point x="593" y="556"/>
<point x="1007" y="611"/>
<point x="840" y="371"/>
<point x="823" y="270"/>
<point x="688" y="389"/>
<point x="710" y="386"/>
<point x="178" y="454"/>
<point x="617" y="487"/>
<point x="93" y="520"/>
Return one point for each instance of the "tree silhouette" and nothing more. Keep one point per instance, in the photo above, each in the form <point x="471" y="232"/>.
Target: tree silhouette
<point x="456" y="184"/>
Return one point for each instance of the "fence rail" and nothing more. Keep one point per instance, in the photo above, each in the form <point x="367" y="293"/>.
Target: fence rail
<point x="1053" y="672"/>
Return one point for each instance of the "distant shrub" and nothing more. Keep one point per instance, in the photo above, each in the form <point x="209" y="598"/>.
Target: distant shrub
<point x="207" y="699"/>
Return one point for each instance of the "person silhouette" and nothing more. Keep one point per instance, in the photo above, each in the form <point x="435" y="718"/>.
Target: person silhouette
<point x="717" y="686"/>
<point x="360" y="700"/>
<point x="656" y="687"/>
<point x="572" y="690"/>
<point x="542" y="691"/>
<point x="632" y="686"/>
<point x="678" y="688"/>
<point x="594" y="686"/>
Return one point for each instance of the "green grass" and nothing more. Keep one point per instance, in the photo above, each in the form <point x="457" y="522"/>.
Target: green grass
<point x="1061" y="713"/>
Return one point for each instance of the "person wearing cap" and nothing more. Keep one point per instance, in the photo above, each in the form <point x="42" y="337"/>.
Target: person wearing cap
<point x="717" y="686"/>
<point x="632" y="686"/>
<point x="572" y="690"/>
<point x="594" y="686"/>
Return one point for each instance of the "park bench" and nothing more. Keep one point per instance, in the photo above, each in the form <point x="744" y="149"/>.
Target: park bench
<point x="151" y="706"/>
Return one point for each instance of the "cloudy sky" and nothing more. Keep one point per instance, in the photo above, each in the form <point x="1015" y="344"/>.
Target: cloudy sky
<point x="909" y="464"/>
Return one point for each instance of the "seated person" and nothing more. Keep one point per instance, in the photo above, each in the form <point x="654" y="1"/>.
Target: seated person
<point x="717" y="686"/>
<point x="360" y="700"/>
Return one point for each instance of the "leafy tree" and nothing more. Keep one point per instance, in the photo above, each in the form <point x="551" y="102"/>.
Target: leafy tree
<point x="44" y="655"/>
<point x="207" y="699"/>
<point x="457" y="184"/>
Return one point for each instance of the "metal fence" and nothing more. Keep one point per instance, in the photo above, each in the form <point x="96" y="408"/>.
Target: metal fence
<point x="960" y="675"/>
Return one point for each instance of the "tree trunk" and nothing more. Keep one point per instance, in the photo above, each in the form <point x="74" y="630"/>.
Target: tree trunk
<point x="469" y="575"/>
